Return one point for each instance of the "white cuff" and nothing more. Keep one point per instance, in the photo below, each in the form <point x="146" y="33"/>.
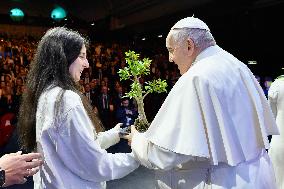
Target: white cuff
<point x="108" y="138"/>
<point x="139" y="145"/>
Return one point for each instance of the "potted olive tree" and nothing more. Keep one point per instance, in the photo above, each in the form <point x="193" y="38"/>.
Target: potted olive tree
<point x="134" y="69"/>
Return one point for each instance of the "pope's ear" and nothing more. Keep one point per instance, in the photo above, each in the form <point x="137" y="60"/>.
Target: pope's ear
<point x="190" y="46"/>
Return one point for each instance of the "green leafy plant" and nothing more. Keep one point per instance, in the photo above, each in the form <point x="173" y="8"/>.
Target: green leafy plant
<point x="135" y="69"/>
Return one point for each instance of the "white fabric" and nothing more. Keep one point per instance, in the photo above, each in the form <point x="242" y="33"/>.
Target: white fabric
<point x="154" y="157"/>
<point x="216" y="110"/>
<point x="190" y="22"/>
<point x="211" y="131"/>
<point x="178" y="171"/>
<point x="109" y="137"/>
<point x="276" y="152"/>
<point x="72" y="157"/>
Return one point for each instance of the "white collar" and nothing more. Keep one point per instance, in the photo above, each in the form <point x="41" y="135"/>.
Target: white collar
<point x="209" y="51"/>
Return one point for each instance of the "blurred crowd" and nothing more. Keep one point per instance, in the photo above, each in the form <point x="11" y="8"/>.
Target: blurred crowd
<point x="100" y="83"/>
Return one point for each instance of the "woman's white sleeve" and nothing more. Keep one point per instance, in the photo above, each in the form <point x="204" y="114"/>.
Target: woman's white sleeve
<point x="108" y="138"/>
<point x="83" y="155"/>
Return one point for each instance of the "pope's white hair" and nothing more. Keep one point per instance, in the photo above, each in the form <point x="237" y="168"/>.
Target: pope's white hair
<point x="202" y="38"/>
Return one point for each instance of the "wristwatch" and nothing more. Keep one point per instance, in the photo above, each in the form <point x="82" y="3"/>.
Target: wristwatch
<point x="2" y="177"/>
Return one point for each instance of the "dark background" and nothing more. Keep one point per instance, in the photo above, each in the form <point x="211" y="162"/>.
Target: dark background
<point x="248" y="29"/>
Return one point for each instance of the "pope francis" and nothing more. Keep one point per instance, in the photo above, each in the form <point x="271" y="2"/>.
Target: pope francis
<point x="211" y="131"/>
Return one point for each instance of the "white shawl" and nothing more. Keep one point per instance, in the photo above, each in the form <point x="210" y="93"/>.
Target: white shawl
<point x="216" y="110"/>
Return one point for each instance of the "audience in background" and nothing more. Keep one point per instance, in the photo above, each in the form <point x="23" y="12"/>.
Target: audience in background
<point x="100" y="83"/>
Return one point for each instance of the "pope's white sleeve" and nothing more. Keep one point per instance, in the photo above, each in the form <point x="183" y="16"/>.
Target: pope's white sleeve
<point x="272" y="97"/>
<point x="83" y="155"/>
<point x="155" y="157"/>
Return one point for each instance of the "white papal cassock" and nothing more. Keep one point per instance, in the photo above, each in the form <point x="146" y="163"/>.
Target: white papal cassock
<point x="211" y="131"/>
<point x="276" y="152"/>
<point x="74" y="157"/>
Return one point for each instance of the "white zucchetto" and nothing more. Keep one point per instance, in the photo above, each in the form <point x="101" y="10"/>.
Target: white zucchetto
<point x="190" y="22"/>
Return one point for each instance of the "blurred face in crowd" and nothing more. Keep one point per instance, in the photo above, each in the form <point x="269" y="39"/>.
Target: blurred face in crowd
<point x="87" y="88"/>
<point x="23" y="88"/>
<point x="9" y="90"/>
<point x="267" y="84"/>
<point x="3" y="84"/>
<point x="94" y="81"/>
<point x="119" y="89"/>
<point x="180" y="53"/>
<point x="5" y="67"/>
<point x="125" y="103"/>
<point x="81" y="82"/>
<point x="86" y="74"/>
<point x="103" y="83"/>
<point x="19" y="82"/>
<point x="104" y="90"/>
<point x="105" y="79"/>
<point x="93" y="85"/>
<point x="77" y="67"/>
<point x="7" y="78"/>
<point x="22" y="71"/>
<point x="116" y="85"/>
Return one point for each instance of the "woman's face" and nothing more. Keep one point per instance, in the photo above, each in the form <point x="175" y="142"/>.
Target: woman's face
<point x="77" y="67"/>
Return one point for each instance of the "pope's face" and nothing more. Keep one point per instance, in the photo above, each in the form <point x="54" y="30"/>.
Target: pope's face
<point x="179" y="53"/>
<point x="77" y="67"/>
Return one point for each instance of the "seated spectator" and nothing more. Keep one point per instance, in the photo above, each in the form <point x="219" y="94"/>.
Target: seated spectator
<point x="125" y="114"/>
<point x="267" y="83"/>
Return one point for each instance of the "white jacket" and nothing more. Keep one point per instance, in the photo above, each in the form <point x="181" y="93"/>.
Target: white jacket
<point x="73" y="154"/>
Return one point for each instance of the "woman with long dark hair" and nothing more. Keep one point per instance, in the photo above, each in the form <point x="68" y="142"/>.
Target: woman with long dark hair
<point x="57" y="121"/>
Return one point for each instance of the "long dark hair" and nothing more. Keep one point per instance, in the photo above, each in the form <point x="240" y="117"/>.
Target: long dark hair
<point x="56" y="51"/>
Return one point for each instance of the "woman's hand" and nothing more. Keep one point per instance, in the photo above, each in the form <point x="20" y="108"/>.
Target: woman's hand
<point x="129" y="137"/>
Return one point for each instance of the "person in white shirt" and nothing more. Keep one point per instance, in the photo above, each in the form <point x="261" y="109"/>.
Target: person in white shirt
<point x="276" y="152"/>
<point x="57" y="120"/>
<point x="211" y="131"/>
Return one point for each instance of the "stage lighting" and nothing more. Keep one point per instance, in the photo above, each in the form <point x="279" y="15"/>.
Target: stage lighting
<point x="58" y="14"/>
<point x="16" y="14"/>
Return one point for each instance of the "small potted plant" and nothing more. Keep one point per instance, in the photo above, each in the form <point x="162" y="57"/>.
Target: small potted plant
<point x="135" y="69"/>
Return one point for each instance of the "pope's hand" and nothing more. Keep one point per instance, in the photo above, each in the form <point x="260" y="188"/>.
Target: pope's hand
<point x="129" y="137"/>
